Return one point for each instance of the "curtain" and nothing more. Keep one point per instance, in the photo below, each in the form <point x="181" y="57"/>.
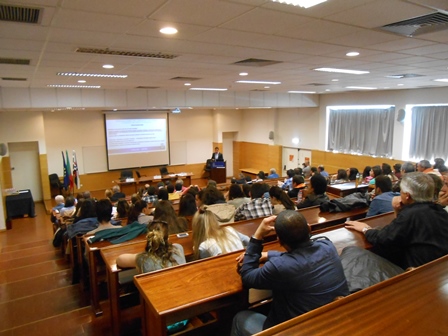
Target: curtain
<point x="366" y="131"/>
<point x="429" y="137"/>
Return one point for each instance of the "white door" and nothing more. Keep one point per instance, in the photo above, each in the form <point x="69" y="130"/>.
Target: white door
<point x="304" y="155"/>
<point x="25" y="168"/>
<point x="290" y="159"/>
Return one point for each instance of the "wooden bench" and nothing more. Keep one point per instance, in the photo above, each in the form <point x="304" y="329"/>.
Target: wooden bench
<point x="412" y="303"/>
<point x="184" y="291"/>
<point x="344" y="189"/>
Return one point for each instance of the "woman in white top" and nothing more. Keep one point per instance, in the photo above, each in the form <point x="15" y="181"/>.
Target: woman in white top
<point x="210" y="239"/>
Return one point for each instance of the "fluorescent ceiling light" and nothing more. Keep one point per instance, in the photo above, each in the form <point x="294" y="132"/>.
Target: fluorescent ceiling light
<point x="352" y="54"/>
<point x="77" y="74"/>
<point x="301" y="3"/>
<point x="168" y="30"/>
<point x="259" y="107"/>
<point x="82" y="81"/>
<point x="346" y="71"/>
<point x="108" y="66"/>
<point x="361" y="87"/>
<point x="208" y="89"/>
<point x="257" y="82"/>
<point x="243" y="73"/>
<point x="335" y="80"/>
<point x="74" y="86"/>
<point x="301" y="91"/>
<point x="441" y="80"/>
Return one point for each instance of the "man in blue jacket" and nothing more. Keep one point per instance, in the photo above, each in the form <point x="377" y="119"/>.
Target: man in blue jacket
<point x="308" y="275"/>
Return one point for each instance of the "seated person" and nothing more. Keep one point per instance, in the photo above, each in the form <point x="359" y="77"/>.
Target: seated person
<point x="341" y="176"/>
<point x="211" y="239"/>
<point x="116" y="194"/>
<point x="382" y="202"/>
<point x="216" y="202"/>
<point x="164" y="211"/>
<point x="374" y="172"/>
<point x="419" y="233"/>
<point x="366" y="174"/>
<point x="322" y="171"/>
<point x="298" y="184"/>
<point x="103" y="215"/>
<point x="272" y="174"/>
<point x="122" y="209"/>
<point x="86" y="219"/>
<point x="172" y="194"/>
<point x="313" y="171"/>
<point x="140" y="212"/>
<point x="307" y="276"/>
<point x="159" y="252"/>
<point x="55" y="212"/>
<point x="236" y="196"/>
<point x="258" y="206"/>
<point x="68" y="211"/>
<point x="351" y="173"/>
<point x="387" y="170"/>
<point x="316" y="193"/>
<point x="287" y="185"/>
<point x="280" y="200"/>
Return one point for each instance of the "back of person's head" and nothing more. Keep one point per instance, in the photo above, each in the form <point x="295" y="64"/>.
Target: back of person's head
<point x="180" y="181"/>
<point x="163" y="208"/>
<point x="261" y="175"/>
<point x="178" y="186"/>
<point x="170" y="188"/>
<point x="425" y="164"/>
<point x="86" y="194"/>
<point x="384" y="183"/>
<point x="439" y="164"/>
<point x="248" y="179"/>
<point x="408" y="167"/>
<point x="212" y="195"/>
<point x="387" y="169"/>
<point x="246" y="189"/>
<point x="272" y="171"/>
<point x="160" y="185"/>
<point x="320" y="168"/>
<point x="104" y="210"/>
<point x="108" y="193"/>
<point x="140" y="205"/>
<point x="366" y="171"/>
<point x="319" y="184"/>
<point x="135" y="198"/>
<point x="397" y="168"/>
<point x="69" y="201"/>
<point x="291" y="228"/>
<point x="164" y="211"/>
<point x="59" y="199"/>
<point x="235" y="191"/>
<point x="162" y="194"/>
<point x="376" y="171"/>
<point x="88" y="209"/>
<point x="298" y="171"/>
<point x="122" y="208"/>
<point x="352" y="174"/>
<point x="290" y="172"/>
<point x="313" y="170"/>
<point x="298" y="179"/>
<point x="151" y="190"/>
<point x="438" y="184"/>
<point x="419" y="185"/>
<point x="211" y="183"/>
<point x="282" y="197"/>
<point x="194" y="190"/>
<point x="157" y="236"/>
<point x="187" y="205"/>
<point x="342" y="174"/>
<point x="115" y="189"/>
<point x="257" y="190"/>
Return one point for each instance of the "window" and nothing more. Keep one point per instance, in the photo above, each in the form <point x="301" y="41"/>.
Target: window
<point x="364" y="130"/>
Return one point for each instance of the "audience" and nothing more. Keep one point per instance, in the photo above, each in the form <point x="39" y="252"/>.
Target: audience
<point x="382" y="202"/>
<point x="322" y="171"/>
<point x="140" y="212"/>
<point x="280" y="200"/>
<point x="341" y="176"/>
<point x="258" y="206"/>
<point x="236" y="196"/>
<point x="307" y="276"/>
<point x="187" y="205"/>
<point x="272" y="174"/>
<point x="165" y="212"/>
<point x="103" y="215"/>
<point x="287" y="185"/>
<point x="316" y="192"/>
<point x="419" y="234"/>
<point x="366" y="174"/>
<point x="216" y="203"/>
<point x="210" y="239"/>
<point x="298" y="184"/>
<point x="374" y="172"/>
<point x="122" y="209"/>
<point x="116" y="194"/>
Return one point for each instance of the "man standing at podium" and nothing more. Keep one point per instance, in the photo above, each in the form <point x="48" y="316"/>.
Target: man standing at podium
<point x="217" y="156"/>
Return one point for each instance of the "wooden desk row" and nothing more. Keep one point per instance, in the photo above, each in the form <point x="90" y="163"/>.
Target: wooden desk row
<point x="130" y="188"/>
<point x="183" y="291"/>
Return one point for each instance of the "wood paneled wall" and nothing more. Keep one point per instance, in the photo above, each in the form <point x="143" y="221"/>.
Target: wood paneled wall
<point x="332" y="162"/>
<point x="45" y="181"/>
<point x="258" y="156"/>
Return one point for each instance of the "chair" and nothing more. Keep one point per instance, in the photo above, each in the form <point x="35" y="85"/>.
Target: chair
<point x="164" y="171"/>
<point x="55" y="184"/>
<point x="126" y="174"/>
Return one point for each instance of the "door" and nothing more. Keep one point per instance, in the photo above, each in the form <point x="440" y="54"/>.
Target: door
<point x="290" y="159"/>
<point x="25" y="168"/>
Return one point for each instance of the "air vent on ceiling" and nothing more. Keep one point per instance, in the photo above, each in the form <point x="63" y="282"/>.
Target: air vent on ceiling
<point x="255" y="62"/>
<point x="316" y="84"/>
<point x="125" y="53"/>
<point x="16" y="61"/>
<point x="19" y="14"/>
<point x="425" y="24"/>
<point x="13" y="79"/>
<point x="186" y="79"/>
<point x="148" y="87"/>
<point x="404" y="76"/>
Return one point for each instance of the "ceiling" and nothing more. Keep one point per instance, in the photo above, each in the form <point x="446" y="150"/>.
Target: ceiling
<point x="214" y="34"/>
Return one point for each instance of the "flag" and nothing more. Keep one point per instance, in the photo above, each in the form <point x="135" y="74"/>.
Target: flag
<point x="69" y="171"/>
<point x="76" y="178"/>
<point x="66" y="178"/>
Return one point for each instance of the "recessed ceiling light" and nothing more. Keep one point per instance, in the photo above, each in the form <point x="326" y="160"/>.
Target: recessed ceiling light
<point x="400" y="84"/>
<point x="77" y="74"/>
<point x="301" y="91"/>
<point x="81" y="81"/>
<point x="208" y="89"/>
<point x="75" y="86"/>
<point x="301" y="3"/>
<point x="346" y="71"/>
<point x="361" y="87"/>
<point x="335" y="80"/>
<point x="108" y="66"/>
<point x="244" y="73"/>
<point x="327" y="90"/>
<point x="352" y="53"/>
<point x="257" y="82"/>
<point x="267" y="87"/>
<point x="168" y="30"/>
<point x="187" y="84"/>
<point x="441" y="80"/>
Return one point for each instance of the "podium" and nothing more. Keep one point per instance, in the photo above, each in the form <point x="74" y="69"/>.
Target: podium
<point x="218" y="171"/>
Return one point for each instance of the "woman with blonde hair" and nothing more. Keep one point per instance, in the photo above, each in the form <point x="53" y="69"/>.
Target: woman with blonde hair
<point x="159" y="252"/>
<point x="210" y="239"/>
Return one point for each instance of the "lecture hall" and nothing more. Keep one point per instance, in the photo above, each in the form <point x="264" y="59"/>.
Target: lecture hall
<point x="134" y="108"/>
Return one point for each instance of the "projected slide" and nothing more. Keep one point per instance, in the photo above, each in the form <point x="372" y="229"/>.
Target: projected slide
<point x="136" y="139"/>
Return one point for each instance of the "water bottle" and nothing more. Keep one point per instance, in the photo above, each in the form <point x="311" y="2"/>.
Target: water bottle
<point x="299" y="196"/>
<point x="357" y="180"/>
